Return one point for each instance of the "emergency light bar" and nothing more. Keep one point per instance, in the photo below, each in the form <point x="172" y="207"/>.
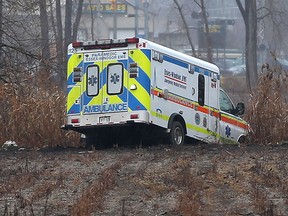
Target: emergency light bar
<point x="105" y="43"/>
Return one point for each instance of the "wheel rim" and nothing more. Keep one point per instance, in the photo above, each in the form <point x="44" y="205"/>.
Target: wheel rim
<point x="178" y="137"/>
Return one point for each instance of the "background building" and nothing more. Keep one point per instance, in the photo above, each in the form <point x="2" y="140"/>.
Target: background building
<point x="116" y="19"/>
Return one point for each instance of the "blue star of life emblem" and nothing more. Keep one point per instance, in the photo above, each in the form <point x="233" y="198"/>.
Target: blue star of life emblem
<point x="228" y="131"/>
<point x="114" y="78"/>
<point x="92" y="80"/>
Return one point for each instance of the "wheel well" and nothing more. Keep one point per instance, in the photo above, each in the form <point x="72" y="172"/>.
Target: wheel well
<point x="242" y="139"/>
<point x="179" y="118"/>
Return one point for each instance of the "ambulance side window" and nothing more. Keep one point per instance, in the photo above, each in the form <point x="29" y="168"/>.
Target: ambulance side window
<point x="115" y="79"/>
<point x="225" y="103"/>
<point x="92" y="80"/>
<point x="201" y="89"/>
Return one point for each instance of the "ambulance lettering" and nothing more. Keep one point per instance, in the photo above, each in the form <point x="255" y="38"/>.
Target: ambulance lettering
<point x="106" y="108"/>
<point x="175" y="79"/>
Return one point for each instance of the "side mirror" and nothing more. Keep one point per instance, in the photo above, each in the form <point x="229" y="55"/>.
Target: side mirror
<point x="240" y="108"/>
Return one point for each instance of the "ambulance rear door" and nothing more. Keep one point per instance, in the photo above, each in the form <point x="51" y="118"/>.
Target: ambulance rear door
<point x="106" y="82"/>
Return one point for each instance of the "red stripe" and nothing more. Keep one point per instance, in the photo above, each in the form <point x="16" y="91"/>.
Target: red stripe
<point x="234" y="122"/>
<point x="205" y="110"/>
<point x="168" y="77"/>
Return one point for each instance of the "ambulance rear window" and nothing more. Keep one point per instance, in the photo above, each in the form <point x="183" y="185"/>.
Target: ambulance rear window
<point x="115" y="78"/>
<point x="92" y="80"/>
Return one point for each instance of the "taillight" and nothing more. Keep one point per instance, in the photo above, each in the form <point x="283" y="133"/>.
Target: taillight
<point x="134" y="116"/>
<point x="75" y="121"/>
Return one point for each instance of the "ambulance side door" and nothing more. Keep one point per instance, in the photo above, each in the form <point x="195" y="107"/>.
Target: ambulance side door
<point x="229" y="131"/>
<point x="213" y="101"/>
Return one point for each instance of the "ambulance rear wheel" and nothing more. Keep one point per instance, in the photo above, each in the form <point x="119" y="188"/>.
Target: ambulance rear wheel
<point x="177" y="134"/>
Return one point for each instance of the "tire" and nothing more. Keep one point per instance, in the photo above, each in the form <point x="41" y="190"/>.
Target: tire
<point x="177" y="135"/>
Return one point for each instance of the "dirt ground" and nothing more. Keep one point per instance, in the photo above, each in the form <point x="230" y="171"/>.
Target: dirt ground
<point x="157" y="180"/>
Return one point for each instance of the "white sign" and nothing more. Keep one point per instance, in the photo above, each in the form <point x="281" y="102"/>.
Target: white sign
<point x="105" y="56"/>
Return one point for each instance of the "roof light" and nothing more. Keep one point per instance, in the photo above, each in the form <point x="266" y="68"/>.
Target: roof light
<point x="132" y="40"/>
<point x="77" y="44"/>
<point x="117" y="41"/>
<point x="105" y="43"/>
<point x="89" y="43"/>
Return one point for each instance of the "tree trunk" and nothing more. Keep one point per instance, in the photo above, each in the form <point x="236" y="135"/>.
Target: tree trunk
<point x="59" y="38"/>
<point x="207" y="33"/>
<point x="68" y="23"/>
<point x="92" y="22"/>
<point x="186" y="28"/>
<point x="77" y="20"/>
<point x="251" y="43"/>
<point x="60" y="45"/>
<point x="250" y="19"/>
<point x="44" y="30"/>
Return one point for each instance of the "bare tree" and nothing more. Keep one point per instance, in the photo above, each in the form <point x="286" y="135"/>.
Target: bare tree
<point x="71" y="34"/>
<point x="206" y="26"/>
<point x="249" y="14"/>
<point x="179" y="8"/>
<point x="92" y="20"/>
<point x="68" y="23"/>
<point x="77" y="19"/>
<point x="59" y="36"/>
<point x="44" y="30"/>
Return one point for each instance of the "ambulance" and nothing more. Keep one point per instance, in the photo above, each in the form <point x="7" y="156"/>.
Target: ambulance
<point x="132" y="88"/>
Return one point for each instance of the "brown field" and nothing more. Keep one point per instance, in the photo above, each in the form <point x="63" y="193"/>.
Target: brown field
<point x="191" y="180"/>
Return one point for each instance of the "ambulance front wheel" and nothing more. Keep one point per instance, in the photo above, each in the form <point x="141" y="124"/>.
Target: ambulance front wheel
<point x="177" y="134"/>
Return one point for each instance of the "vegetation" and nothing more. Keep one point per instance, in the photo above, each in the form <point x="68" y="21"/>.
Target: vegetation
<point x="268" y="108"/>
<point x="32" y="116"/>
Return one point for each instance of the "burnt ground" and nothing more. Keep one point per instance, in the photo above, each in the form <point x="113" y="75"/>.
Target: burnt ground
<point x="158" y="180"/>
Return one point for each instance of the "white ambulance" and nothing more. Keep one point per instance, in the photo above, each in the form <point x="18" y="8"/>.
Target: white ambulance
<point x="123" y="89"/>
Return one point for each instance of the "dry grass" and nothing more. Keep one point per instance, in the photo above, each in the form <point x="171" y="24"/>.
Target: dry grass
<point x="92" y="198"/>
<point x="190" y="199"/>
<point x="266" y="106"/>
<point x="268" y="109"/>
<point x="32" y="116"/>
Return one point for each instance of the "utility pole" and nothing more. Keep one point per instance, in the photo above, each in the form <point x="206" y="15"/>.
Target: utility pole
<point x="136" y="17"/>
<point x="146" y="28"/>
